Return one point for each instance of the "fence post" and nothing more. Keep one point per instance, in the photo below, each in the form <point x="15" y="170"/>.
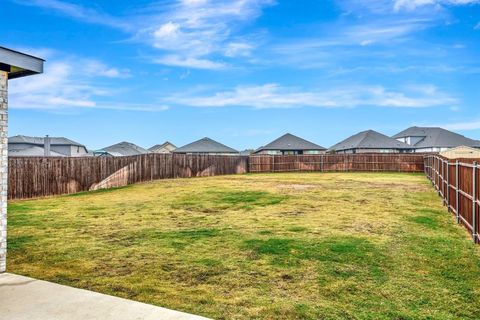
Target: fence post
<point x="321" y="162"/>
<point x="457" y="206"/>
<point x="474" y="202"/>
<point x="443" y="183"/>
<point x="448" y="185"/>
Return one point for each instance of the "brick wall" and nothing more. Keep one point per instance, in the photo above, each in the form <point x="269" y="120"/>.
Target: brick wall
<point x="3" y="170"/>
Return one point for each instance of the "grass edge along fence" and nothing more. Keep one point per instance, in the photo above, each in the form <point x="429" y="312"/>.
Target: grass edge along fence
<point x="457" y="182"/>
<point x="34" y="177"/>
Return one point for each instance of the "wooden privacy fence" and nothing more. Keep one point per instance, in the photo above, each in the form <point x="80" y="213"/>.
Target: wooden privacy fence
<point x="457" y="182"/>
<point x="31" y="177"/>
<point x="337" y="162"/>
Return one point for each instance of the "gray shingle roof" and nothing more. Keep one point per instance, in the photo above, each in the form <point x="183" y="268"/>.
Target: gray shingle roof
<point x="125" y="149"/>
<point x="291" y="142"/>
<point x="205" y="145"/>
<point x="369" y="140"/>
<point x="31" y="151"/>
<point x="437" y="137"/>
<point x="158" y="146"/>
<point x="40" y="141"/>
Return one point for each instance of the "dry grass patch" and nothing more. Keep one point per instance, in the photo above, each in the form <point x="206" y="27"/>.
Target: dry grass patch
<point x="265" y="246"/>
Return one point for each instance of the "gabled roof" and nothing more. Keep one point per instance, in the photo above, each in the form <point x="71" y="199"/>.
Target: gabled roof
<point x="41" y="140"/>
<point x="369" y="139"/>
<point x="205" y="145"/>
<point x="437" y="137"/>
<point x="125" y="149"/>
<point x="290" y="142"/>
<point x="163" y="145"/>
<point x="31" y="151"/>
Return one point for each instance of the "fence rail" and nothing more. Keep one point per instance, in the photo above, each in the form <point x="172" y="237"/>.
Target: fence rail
<point x="457" y="182"/>
<point x="337" y="162"/>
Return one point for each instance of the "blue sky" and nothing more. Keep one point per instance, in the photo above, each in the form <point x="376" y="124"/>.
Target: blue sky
<point x="243" y="72"/>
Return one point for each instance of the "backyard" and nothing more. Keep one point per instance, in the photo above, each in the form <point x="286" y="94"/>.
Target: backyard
<point x="267" y="246"/>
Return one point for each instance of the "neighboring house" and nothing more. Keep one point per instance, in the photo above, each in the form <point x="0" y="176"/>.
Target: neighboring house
<point x="122" y="149"/>
<point x="434" y="139"/>
<point x="166" y="147"/>
<point x="206" y="146"/>
<point x="246" y="152"/>
<point x="370" y="141"/>
<point x="461" y="152"/>
<point x="25" y="146"/>
<point x="290" y="144"/>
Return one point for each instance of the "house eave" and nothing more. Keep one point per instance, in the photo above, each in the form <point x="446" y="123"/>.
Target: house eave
<point x="18" y="64"/>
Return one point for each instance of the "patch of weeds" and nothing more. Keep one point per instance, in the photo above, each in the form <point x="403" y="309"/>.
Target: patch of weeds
<point x="297" y="229"/>
<point x="21" y="207"/>
<point x="243" y="198"/>
<point x="16" y="219"/>
<point x="95" y="192"/>
<point x="19" y="242"/>
<point x="426" y="221"/>
<point x="272" y="246"/>
<point x="265" y="232"/>
<point x="175" y="239"/>
<point x="94" y="208"/>
<point x="343" y="256"/>
<point x="211" y="201"/>
<point x="209" y="262"/>
<point x="304" y="311"/>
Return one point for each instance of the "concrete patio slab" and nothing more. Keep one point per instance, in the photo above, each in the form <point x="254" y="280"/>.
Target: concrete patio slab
<point x="23" y="298"/>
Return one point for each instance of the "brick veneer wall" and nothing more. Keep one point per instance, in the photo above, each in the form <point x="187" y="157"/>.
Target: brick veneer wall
<point x="3" y="169"/>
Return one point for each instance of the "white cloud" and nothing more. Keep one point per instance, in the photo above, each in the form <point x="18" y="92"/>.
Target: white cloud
<point x="70" y="83"/>
<point x="52" y="90"/>
<point x="196" y="32"/>
<point x="275" y="96"/>
<point x="189" y="62"/>
<point x="340" y="44"/>
<point x="235" y="49"/>
<point x="413" y="4"/>
<point x="191" y="32"/>
<point x="84" y="14"/>
<point x="98" y="69"/>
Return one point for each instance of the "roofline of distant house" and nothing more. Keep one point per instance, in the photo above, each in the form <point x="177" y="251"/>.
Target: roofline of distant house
<point x="52" y="144"/>
<point x="351" y="148"/>
<point x="212" y="151"/>
<point x="290" y="149"/>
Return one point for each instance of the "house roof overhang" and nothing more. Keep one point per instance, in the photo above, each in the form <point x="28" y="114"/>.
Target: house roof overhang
<point x="18" y="64"/>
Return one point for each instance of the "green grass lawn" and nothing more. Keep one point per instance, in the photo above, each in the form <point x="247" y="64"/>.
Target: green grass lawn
<point x="265" y="246"/>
